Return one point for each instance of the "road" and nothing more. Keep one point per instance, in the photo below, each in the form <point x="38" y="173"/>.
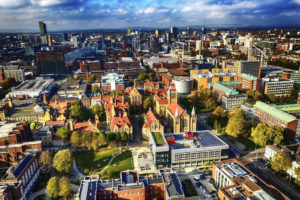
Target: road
<point x="137" y="129"/>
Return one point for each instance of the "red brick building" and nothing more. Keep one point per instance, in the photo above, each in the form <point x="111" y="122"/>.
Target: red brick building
<point x="249" y="82"/>
<point x="90" y="66"/>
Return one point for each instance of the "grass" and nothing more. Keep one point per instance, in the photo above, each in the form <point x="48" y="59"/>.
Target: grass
<point x="120" y="163"/>
<point x="93" y="161"/>
<point x="40" y="197"/>
<point x="159" y="140"/>
<point x="190" y="189"/>
<point x="42" y="182"/>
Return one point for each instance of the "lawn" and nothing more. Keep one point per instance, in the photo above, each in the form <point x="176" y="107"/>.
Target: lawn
<point x="158" y="138"/>
<point x="42" y="182"/>
<point x="93" y="161"/>
<point x="120" y="163"/>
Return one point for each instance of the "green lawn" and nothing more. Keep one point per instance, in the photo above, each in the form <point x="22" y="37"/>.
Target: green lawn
<point x="42" y="182"/>
<point x="158" y="138"/>
<point x="120" y="163"/>
<point x="93" y="161"/>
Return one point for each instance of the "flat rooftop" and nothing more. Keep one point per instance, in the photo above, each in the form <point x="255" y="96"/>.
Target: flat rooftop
<point x="200" y="139"/>
<point x="6" y="128"/>
<point x="33" y="85"/>
<point x="158" y="138"/>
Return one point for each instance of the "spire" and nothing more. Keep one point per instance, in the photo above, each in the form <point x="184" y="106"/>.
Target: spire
<point x="176" y="112"/>
<point x="193" y="111"/>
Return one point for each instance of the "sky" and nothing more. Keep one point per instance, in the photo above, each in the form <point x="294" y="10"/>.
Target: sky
<point x="23" y="15"/>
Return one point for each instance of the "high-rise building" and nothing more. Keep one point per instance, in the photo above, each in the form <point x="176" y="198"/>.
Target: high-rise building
<point x="252" y="68"/>
<point x="43" y="31"/>
<point x="50" y="62"/>
<point x="174" y="32"/>
<point x="64" y="37"/>
<point x="128" y="31"/>
<point x="157" y="33"/>
<point x="189" y="30"/>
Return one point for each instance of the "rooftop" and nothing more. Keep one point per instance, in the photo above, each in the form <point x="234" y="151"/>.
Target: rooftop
<point x="248" y="76"/>
<point x="273" y="111"/>
<point x="222" y="87"/>
<point x="288" y="107"/>
<point x="159" y="139"/>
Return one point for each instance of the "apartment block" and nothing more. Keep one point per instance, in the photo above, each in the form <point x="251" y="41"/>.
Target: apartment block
<point x="249" y="82"/>
<point x="280" y="87"/>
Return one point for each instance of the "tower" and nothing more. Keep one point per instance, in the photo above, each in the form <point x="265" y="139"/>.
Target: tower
<point x="176" y="124"/>
<point x="172" y="94"/>
<point x="193" y="124"/>
<point x="10" y="103"/>
<point x="43" y="32"/>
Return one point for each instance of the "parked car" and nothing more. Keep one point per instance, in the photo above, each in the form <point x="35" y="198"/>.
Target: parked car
<point x="199" y="184"/>
<point x="196" y="178"/>
<point x="202" y="176"/>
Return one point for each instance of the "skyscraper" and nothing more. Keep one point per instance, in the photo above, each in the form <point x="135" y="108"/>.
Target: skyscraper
<point x="43" y="31"/>
<point x="50" y="62"/>
<point x="174" y="32"/>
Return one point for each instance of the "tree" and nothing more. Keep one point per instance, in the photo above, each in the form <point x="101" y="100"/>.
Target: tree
<point x="218" y="113"/>
<point x="63" y="161"/>
<point x="142" y="76"/>
<point x="95" y="88"/>
<point x="271" y="97"/>
<point x="77" y="111"/>
<point x="112" y="144"/>
<point x="64" y="187"/>
<point x="147" y="103"/>
<point x="32" y="125"/>
<point x="294" y="93"/>
<point x="92" y="78"/>
<point x="297" y="174"/>
<point x="281" y="161"/>
<point x="95" y="143"/>
<point x="99" y="110"/>
<point x="102" y="140"/>
<point x="264" y="135"/>
<point x="256" y="96"/>
<point x="63" y="133"/>
<point x="87" y="139"/>
<point x="75" y="139"/>
<point x="236" y="126"/>
<point x="210" y="104"/>
<point x="151" y="76"/>
<point x="45" y="159"/>
<point x="123" y="137"/>
<point x="52" y="189"/>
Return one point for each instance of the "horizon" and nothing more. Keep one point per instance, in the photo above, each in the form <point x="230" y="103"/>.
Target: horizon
<point x="69" y="15"/>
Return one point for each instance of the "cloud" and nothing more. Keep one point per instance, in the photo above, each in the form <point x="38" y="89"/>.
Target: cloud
<point x="12" y="3"/>
<point x="45" y="3"/>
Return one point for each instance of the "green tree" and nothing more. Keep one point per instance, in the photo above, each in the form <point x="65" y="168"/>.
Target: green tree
<point x="75" y="139"/>
<point x="77" y="111"/>
<point x="294" y="93"/>
<point x="52" y="189"/>
<point x="123" y="137"/>
<point x="218" y="113"/>
<point x="99" y="110"/>
<point x="281" y="161"/>
<point x="63" y="161"/>
<point x="148" y="103"/>
<point x="297" y="174"/>
<point x="45" y="159"/>
<point x="142" y="76"/>
<point x="63" y="133"/>
<point x="87" y="139"/>
<point x="151" y="76"/>
<point x="65" y="188"/>
<point x="95" y="142"/>
<point x="260" y="135"/>
<point x="236" y="126"/>
<point x="271" y="97"/>
<point x="95" y="88"/>
<point x="210" y="104"/>
<point x="102" y="140"/>
<point x="257" y="96"/>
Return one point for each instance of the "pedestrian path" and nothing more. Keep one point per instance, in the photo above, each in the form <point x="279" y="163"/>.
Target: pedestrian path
<point x="76" y="171"/>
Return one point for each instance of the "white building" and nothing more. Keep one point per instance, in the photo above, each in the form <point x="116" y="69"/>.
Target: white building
<point x="270" y="151"/>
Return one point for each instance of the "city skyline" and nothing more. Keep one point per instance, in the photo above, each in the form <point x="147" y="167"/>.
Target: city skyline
<point x="23" y="15"/>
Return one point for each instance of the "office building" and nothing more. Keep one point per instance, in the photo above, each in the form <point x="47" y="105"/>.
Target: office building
<point x="90" y="66"/>
<point x="229" y="98"/>
<point x="64" y="37"/>
<point x="273" y="116"/>
<point x="50" y="62"/>
<point x="235" y="181"/>
<point x="32" y="88"/>
<point x="249" y="82"/>
<point x="112" y="82"/>
<point x="174" y="32"/>
<point x="75" y="88"/>
<point x="252" y="68"/>
<point x="17" y="75"/>
<point x="43" y="32"/>
<point x="20" y="179"/>
<point x="293" y="75"/>
<point x="163" y="185"/>
<point x="280" y="87"/>
<point x="186" y="149"/>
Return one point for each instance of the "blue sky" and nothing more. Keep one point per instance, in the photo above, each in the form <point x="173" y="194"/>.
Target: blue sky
<point x="23" y="15"/>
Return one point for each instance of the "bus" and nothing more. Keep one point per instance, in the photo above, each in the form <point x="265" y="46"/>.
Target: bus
<point x="233" y="153"/>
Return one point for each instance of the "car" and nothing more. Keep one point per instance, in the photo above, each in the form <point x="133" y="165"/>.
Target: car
<point x="199" y="184"/>
<point x="202" y="176"/>
<point x="196" y="178"/>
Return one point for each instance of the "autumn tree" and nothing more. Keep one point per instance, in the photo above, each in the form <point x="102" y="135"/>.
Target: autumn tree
<point x="218" y="113"/>
<point x="77" y="111"/>
<point x="237" y="123"/>
<point x="102" y="140"/>
<point x="95" y="88"/>
<point x="148" y="103"/>
<point x="210" y="104"/>
<point x="271" y="97"/>
<point x="45" y="159"/>
<point x="297" y="174"/>
<point x="75" y="139"/>
<point x="52" y="189"/>
<point x="281" y="161"/>
<point x="65" y="188"/>
<point x="264" y="135"/>
<point x="63" y="161"/>
<point x="63" y="133"/>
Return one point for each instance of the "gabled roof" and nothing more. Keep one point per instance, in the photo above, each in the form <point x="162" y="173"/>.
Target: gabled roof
<point x="150" y="118"/>
<point x="175" y="106"/>
<point x="120" y="122"/>
<point x="162" y="98"/>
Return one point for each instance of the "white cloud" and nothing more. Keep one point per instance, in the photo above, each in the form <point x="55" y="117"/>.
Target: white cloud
<point x="121" y="11"/>
<point x="150" y="10"/>
<point x="297" y="1"/>
<point x="45" y="3"/>
<point x="11" y="3"/>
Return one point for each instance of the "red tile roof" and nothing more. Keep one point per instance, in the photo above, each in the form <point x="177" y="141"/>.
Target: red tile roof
<point x="83" y="126"/>
<point x="50" y="123"/>
<point x="172" y="108"/>
<point x="162" y="98"/>
<point x="150" y="118"/>
<point x="120" y="122"/>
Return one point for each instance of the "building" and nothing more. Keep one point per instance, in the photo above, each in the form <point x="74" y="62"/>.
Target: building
<point x="112" y="82"/>
<point x="19" y="179"/>
<point x="90" y="66"/>
<point x="136" y="99"/>
<point x="249" y="82"/>
<point x="186" y="149"/>
<point x="45" y="134"/>
<point x="293" y="75"/>
<point x="252" y="68"/>
<point x="163" y="185"/>
<point x="204" y="77"/>
<point x="229" y="98"/>
<point x="50" y="62"/>
<point x="280" y="87"/>
<point x="32" y="88"/>
<point x="43" y="32"/>
<point x="272" y="116"/>
<point x="151" y="123"/>
<point x="73" y="88"/>
<point x="17" y="75"/>
<point x="270" y="151"/>
<point x="235" y="181"/>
